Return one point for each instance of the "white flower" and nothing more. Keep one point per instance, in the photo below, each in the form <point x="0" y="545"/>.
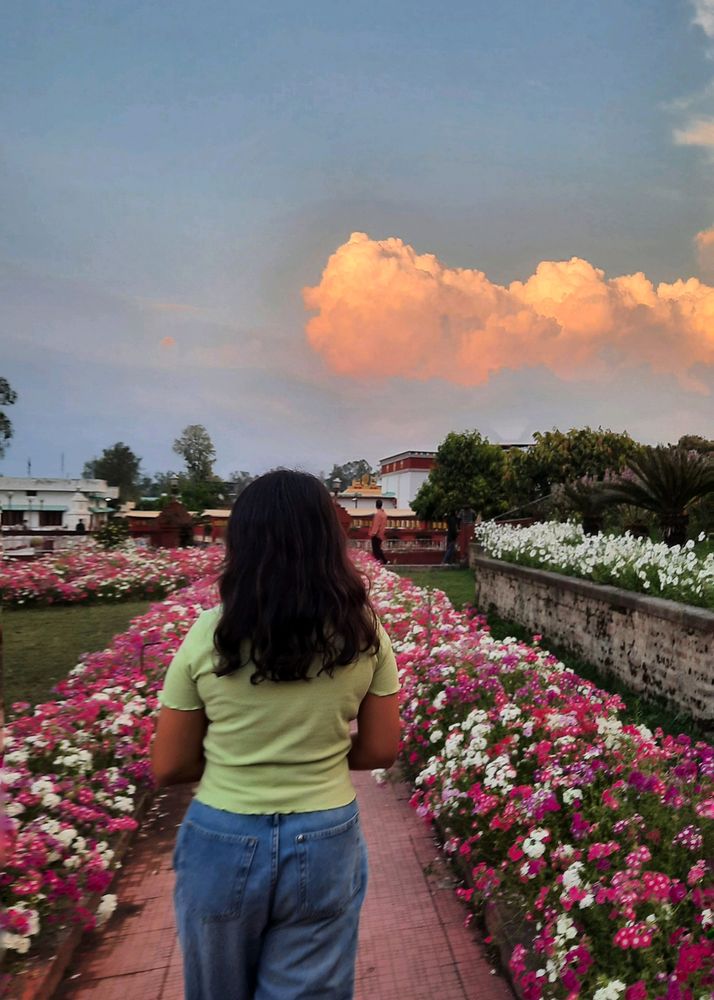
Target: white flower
<point x="571" y="875"/>
<point x="612" y="991"/>
<point x="107" y="906"/>
<point x="15" y="942"/>
<point x="440" y="699"/>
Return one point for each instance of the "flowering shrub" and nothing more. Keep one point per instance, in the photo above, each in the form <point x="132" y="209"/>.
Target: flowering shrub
<point x="598" y="833"/>
<point x="73" y="770"/>
<point x="97" y="575"/>
<point x="676" y="573"/>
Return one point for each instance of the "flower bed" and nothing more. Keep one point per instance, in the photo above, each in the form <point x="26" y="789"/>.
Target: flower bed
<point x="97" y="575"/>
<point x="599" y="833"/>
<point x="677" y="573"/>
<point x="74" y="769"/>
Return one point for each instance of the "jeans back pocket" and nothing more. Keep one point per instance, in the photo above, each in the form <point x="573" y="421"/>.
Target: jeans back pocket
<point x="330" y="868"/>
<point x="212" y="871"/>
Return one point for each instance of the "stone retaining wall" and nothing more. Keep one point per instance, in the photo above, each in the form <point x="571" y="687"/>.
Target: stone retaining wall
<point x="660" y="647"/>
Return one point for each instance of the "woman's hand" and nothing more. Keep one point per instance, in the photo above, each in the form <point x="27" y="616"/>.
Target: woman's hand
<point x="177" y="750"/>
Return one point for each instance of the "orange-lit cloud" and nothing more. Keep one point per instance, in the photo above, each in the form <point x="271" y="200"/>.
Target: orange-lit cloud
<point x="704" y="242"/>
<point x="167" y="342"/>
<point x="697" y="132"/>
<point x="384" y="310"/>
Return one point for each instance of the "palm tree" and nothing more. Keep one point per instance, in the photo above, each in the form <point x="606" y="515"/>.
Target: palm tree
<point x="589" y="498"/>
<point x="667" y="481"/>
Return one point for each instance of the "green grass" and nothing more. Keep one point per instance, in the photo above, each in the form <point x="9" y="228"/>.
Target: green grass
<point x="457" y="584"/>
<point x="42" y="644"/>
<point x="459" y="587"/>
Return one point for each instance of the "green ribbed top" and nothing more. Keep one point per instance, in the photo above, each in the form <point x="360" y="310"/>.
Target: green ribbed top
<point x="274" y="747"/>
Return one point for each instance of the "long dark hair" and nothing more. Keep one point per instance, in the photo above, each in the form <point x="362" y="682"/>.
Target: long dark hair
<point x="290" y="592"/>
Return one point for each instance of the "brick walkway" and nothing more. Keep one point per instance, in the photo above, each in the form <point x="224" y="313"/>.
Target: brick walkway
<point x="413" y="943"/>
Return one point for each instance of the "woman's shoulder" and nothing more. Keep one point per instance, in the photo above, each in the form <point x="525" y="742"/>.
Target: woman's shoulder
<point x="206" y="622"/>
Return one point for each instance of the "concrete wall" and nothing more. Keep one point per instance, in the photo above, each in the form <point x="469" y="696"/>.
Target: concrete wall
<point x="660" y="647"/>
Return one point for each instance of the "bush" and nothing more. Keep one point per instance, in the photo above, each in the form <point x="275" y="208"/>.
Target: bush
<point x="113" y="533"/>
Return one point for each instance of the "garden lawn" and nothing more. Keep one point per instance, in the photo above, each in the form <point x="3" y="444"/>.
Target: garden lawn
<point x="457" y="584"/>
<point x="41" y="645"/>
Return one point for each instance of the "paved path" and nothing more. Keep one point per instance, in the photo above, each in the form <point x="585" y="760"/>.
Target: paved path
<point x="413" y="943"/>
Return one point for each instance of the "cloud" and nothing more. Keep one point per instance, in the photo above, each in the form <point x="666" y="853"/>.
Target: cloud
<point x="704" y="16"/>
<point x="698" y="127"/>
<point x="697" y="132"/>
<point x="383" y="310"/>
<point x="704" y="243"/>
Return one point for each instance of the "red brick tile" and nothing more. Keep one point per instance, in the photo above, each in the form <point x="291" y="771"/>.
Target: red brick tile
<point x="139" y="986"/>
<point x="413" y="945"/>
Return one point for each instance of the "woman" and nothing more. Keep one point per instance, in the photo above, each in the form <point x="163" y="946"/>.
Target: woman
<point x="256" y="706"/>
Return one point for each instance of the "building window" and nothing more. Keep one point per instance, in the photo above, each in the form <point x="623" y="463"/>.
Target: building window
<point x="12" y="518"/>
<point x="31" y="493"/>
<point x="50" y="518"/>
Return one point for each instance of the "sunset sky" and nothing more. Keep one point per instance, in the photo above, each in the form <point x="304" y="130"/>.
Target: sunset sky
<point x="329" y="231"/>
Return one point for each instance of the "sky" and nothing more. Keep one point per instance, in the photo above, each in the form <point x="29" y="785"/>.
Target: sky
<point x="333" y="231"/>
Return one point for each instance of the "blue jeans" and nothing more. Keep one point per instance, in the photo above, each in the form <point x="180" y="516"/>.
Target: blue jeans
<point x="267" y="907"/>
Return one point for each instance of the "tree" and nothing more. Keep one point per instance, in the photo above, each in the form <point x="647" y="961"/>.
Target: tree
<point x="347" y="473"/>
<point x="468" y="472"/>
<point x="8" y="396"/>
<point x="701" y="514"/>
<point x="196" y="449"/>
<point x="161" y="484"/>
<point x="237" y="482"/>
<point x="207" y="495"/>
<point x="119" y="466"/>
<point x="558" y="458"/>
<point x="693" y="442"/>
<point x="587" y="498"/>
<point x="667" y="481"/>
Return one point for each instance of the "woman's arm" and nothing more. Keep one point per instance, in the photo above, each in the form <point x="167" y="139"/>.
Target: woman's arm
<point x="177" y="749"/>
<point x="376" y="742"/>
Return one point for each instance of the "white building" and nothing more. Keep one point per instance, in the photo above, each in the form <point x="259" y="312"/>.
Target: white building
<point x="401" y="475"/>
<point x="54" y="504"/>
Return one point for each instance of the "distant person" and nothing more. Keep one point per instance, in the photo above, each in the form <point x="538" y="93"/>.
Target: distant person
<point x="378" y="531"/>
<point x="80" y="527"/>
<point x="453" y="524"/>
<point x="271" y="865"/>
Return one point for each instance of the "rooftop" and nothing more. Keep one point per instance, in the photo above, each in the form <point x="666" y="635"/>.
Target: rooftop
<point x="12" y="483"/>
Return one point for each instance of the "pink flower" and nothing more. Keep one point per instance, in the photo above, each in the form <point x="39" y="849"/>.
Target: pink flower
<point x="697" y="872"/>
<point x="691" y="958"/>
<point x="633" y="936"/>
<point x="638" y="991"/>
